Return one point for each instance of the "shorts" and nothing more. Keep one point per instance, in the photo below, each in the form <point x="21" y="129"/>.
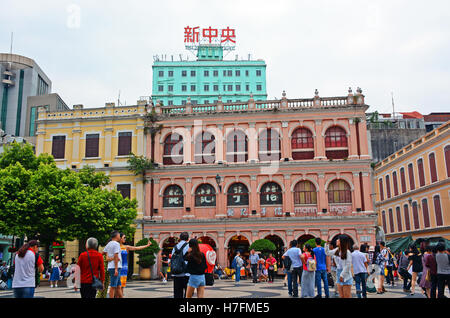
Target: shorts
<point x="381" y="267"/>
<point x="347" y="282"/>
<point x="114" y="280"/>
<point x="196" y="281"/>
<point x="164" y="269"/>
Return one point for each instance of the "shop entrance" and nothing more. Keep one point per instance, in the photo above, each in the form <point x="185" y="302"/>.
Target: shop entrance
<point x="237" y="243"/>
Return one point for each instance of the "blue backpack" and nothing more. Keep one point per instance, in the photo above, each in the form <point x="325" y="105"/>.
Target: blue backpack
<point x="234" y="263"/>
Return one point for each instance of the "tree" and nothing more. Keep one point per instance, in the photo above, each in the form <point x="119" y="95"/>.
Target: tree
<point x="24" y="154"/>
<point x="147" y="255"/>
<point x="93" y="179"/>
<point x="139" y="164"/>
<point x="263" y="245"/>
<point x="312" y="242"/>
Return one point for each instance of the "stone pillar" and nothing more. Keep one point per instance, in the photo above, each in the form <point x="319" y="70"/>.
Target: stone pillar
<point x="352" y="141"/>
<point x="288" y="206"/>
<point x="187" y="196"/>
<point x="156" y="202"/>
<point x="356" y="202"/>
<point x="108" y="145"/>
<point x="221" y="250"/>
<point x="285" y="141"/>
<point x="219" y="144"/>
<point x="140" y="140"/>
<point x="187" y="146"/>
<point x="364" y="146"/>
<point x="322" y="200"/>
<point x="254" y="198"/>
<point x="319" y="142"/>
<point x="76" y="156"/>
<point x="158" y="149"/>
<point x="148" y="198"/>
<point x="367" y="187"/>
<point x="252" y="143"/>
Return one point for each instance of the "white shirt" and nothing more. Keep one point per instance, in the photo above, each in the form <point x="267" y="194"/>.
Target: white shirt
<point x="358" y="260"/>
<point x="25" y="271"/>
<point x="112" y="248"/>
<point x="342" y="264"/>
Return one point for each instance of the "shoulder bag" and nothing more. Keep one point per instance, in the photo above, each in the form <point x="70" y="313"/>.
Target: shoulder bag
<point x="96" y="283"/>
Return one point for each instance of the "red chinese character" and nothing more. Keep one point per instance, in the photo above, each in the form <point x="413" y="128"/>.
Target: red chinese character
<point x="191" y="34"/>
<point x="228" y="35"/>
<point x="212" y="33"/>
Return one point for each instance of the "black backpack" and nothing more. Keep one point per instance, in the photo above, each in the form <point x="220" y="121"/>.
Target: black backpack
<point x="287" y="262"/>
<point x="177" y="264"/>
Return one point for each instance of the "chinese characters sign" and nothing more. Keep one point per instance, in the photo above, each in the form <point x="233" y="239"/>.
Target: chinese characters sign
<point x="194" y="36"/>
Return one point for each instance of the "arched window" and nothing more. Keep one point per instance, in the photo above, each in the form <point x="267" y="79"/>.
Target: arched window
<point x="403" y="179"/>
<point x="271" y="194"/>
<point x="399" y="219"/>
<point x="237" y="146"/>
<point x="302" y="144"/>
<point x="438" y="210"/>
<point x="415" y="211"/>
<point x="339" y="192"/>
<point x="391" y="221"/>
<point x="205" y="148"/>
<point x="380" y="185"/>
<point x="336" y="145"/>
<point x="173" y="196"/>
<point x="412" y="184"/>
<point x="305" y="193"/>
<point x="205" y="195"/>
<point x="383" y="218"/>
<point x="173" y="150"/>
<point x="395" y="182"/>
<point x="426" y="214"/>
<point x="447" y="159"/>
<point x="421" y="172"/>
<point x="433" y="171"/>
<point x="407" y="222"/>
<point x="269" y="145"/>
<point x="237" y="194"/>
<point x="388" y="187"/>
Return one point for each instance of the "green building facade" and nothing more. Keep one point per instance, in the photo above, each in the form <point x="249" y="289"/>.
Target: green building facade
<point x="207" y="78"/>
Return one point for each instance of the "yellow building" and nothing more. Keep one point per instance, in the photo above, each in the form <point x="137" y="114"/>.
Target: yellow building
<point x="99" y="137"/>
<point x="413" y="187"/>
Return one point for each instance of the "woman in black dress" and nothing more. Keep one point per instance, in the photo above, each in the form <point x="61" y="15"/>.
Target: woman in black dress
<point x="415" y="260"/>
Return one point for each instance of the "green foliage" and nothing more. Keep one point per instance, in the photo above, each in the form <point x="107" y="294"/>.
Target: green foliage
<point x="312" y="242"/>
<point x="147" y="255"/>
<point x="37" y="199"/>
<point x="139" y="164"/>
<point x="93" y="179"/>
<point x="103" y="293"/>
<point x="263" y="245"/>
<point x="151" y="123"/>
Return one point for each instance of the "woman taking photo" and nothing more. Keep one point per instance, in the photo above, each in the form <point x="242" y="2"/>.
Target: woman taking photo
<point x="344" y="265"/>
<point x="415" y="261"/>
<point x="56" y="272"/>
<point x="196" y="267"/>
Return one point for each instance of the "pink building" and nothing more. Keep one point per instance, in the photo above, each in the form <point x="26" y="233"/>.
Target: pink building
<point x="232" y="173"/>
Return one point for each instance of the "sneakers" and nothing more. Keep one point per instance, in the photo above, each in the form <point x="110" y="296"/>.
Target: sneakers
<point x="164" y="281"/>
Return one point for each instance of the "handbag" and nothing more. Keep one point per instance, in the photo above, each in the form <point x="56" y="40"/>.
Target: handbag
<point x="96" y="283"/>
<point x="209" y="279"/>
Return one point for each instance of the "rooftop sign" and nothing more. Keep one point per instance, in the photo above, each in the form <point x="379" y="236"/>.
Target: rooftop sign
<point x="195" y="36"/>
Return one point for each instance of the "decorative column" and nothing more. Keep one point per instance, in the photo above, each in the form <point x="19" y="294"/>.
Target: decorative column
<point x="254" y="199"/>
<point x="367" y="186"/>
<point x="221" y="249"/>
<point x="108" y="131"/>
<point x="364" y="146"/>
<point x="156" y="201"/>
<point x="148" y="198"/>
<point x="352" y="141"/>
<point x="140" y="140"/>
<point x="285" y="141"/>
<point x="252" y="143"/>
<point x="320" y="141"/>
<point x="287" y="195"/>
<point x="219" y="144"/>
<point x="158" y="149"/>
<point x="188" y="196"/>
<point x="187" y="145"/>
<point x="322" y="200"/>
<point x="356" y="202"/>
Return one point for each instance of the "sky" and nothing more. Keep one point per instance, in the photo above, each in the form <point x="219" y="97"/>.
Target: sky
<point x="91" y="50"/>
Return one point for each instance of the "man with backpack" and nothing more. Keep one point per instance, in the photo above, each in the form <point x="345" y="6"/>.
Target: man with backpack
<point x="178" y="267"/>
<point x="293" y="265"/>
<point x="237" y="264"/>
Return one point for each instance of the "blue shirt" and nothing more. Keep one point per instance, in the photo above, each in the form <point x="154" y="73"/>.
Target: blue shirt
<point x="321" y="258"/>
<point x="294" y="254"/>
<point x="178" y="246"/>
<point x="254" y="259"/>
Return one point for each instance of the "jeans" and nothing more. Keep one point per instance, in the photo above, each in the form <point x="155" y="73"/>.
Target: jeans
<point x="390" y="275"/>
<point x="293" y="281"/>
<point x="179" y="286"/>
<point x="360" y="280"/>
<point x="271" y="273"/>
<point x="442" y="281"/>
<point x="321" y="275"/>
<point x="406" y="276"/>
<point x="255" y="272"/>
<point x="237" y="275"/>
<point x="433" y="285"/>
<point x="24" y="292"/>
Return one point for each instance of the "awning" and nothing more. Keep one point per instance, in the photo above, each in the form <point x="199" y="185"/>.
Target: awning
<point x="400" y="244"/>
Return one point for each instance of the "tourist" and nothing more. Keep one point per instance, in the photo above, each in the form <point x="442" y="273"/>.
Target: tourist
<point x="403" y="271"/>
<point x="321" y="270"/>
<point x="254" y="259"/>
<point x="271" y="262"/>
<point x="25" y="263"/>
<point x="443" y="269"/>
<point x="333" y="269"/>
<point x="262" y="271"/>
<point x="239" y="263"/>
<point x="309" y="271"/>
<point x="56" y="272"/>
<point x="390" y="266"/>
<point x="90" y="262"/>
<point x="344" y="265"/>
<point x="429" y="273"/>
<point x="360" y="262"/>
<point x="415" y="262"/>
<point x="292" y="257"/>
<point x="196" y="268"/>
<point x="124" y="249"/>
<point x="164" y="267"/>
<point x="112" y="252"/>
<point x="180" y="279"/>
<point x="381" y="257"/>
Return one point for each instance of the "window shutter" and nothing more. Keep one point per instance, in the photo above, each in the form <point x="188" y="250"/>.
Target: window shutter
<point x="92" y="145"/>
<point x="124" y="143"/>
<point x="58" y="147"/>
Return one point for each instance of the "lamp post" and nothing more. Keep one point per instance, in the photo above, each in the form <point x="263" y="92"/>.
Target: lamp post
<point x="218" y="179"/>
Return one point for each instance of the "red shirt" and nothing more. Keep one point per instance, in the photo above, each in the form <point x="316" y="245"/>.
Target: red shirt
<point x="39" y="261"/>
<point x="98" y="266"/>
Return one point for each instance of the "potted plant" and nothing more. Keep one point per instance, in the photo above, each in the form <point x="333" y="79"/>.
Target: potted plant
<point x="147" y="257"/>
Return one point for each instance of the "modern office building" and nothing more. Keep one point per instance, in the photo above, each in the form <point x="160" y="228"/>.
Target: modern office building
<point x="21" y="77"/>
<point x="232" y="173"/>
<point x="205" y="79"/>
<point x="413" y="188"/>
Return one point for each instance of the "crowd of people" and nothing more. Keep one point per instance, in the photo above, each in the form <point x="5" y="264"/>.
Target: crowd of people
<point x="306" y="268"/>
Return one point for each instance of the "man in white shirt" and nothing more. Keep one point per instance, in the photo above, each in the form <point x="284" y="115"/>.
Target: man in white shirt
<point x="360" y="267"/>
<point x="294" y="254"/>
<point x="112" y="249"/>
